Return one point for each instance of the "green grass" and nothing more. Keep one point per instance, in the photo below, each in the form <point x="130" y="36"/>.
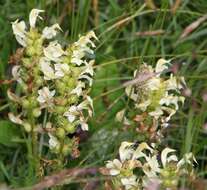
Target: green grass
<point x="119" y="52"/>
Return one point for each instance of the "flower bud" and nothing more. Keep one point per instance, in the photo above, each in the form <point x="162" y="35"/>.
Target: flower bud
<point x="60" y="109"/>
<point x="25" y="103"/>
<point x="165" y="173"/>
<point x="66" y="59"/>
<point x="27" y="127"/>
<point x="56" y="150"/>
<point x="30" y="51"/>
<point x="61" y="87"/>
<point x="66" y="78"/>
<point x="26" y="62"/>
<point x="33" y="101"/>
<point x="24" y="87"/>
<point x="36" y="112"/>
<point x="70" y="128"/>
<point x="174" y="183"/>
<point x="66" y="149"/>
<point x="73" y="99"/>
<point x="60" y="132"/>
<point x="39" y="81"/>
<point x="71" y="83"/>
<point x="60" y="101"/>
<point x="167" y="183"/>
<point x="76" y="71"/>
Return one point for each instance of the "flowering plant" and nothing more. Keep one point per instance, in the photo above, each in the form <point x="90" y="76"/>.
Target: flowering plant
<point x="139" y="165"/>
<point x="154" y="98"/>
<point x="54" y="82"/>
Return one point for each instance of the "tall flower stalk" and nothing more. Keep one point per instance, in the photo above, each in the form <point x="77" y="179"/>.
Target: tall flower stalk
<point x="153" y="102"/>
<point x="54" y="82"/>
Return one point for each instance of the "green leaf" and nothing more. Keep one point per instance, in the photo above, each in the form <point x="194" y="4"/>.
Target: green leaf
<point x="8" y="133"/>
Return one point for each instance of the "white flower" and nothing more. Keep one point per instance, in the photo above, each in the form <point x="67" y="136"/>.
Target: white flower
<point x="138" y="153"/>
<point x="81" y="48"/>
<point x="88" y="69"/>
<point x="19" y="30"/>
<point x="92" y="34"/>
<point x="143" y="105"/>
<point x="45" y="96"/>
<point x="79" y="89"/>
<point x="34" y="14"/>
<point x="146" y="159"/>
<point x="77" y="57"/>
<point x="130" y="92"/>
<point x="16" y="73"/>
<point x="161" y="66"/>
<point x="153" y="163"/>
<point x="130" y="182"/>
<point x="125" y="151"/>
<point x="169" y="111"/>
<point x="87" y="105"/>
<point x="13" y="96"/>
<point x="173" y="84"/>
<point x="53" y="51"/>
<point x="151" y="167"/>
<point x="15" y="119"/>
<point x="89" y="79"/>
<point x="157" y="112"/>
<point x="85" y="40"/>
<point x="76" y="61"/>
<point x="53" y="142"/>
<point x="61" y="69"/>
<point x="153" y="84"/>
<point x="114" y="167"/>
<point x="71" y="113"/>
<point x="50" y="32"/>
<point x="188" y="158"/>
<point x="120" y="117"/>
<point x="156" y="95"/>
<point x="172" y="100"/>
<point x="164" y="156"/>
<point x="74" y="111"/>
<point x="46" y="68"/>
<point x="83" y="124"/>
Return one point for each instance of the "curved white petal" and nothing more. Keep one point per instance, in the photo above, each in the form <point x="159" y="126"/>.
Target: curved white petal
<point x="164" y="154"/>
<point x="46" y="68"/>
<point x="53" y="51"/>
<point x="19" y="30"/>
<point x="50" y="32"/>
<point x="15" y="119"/>
<point x="53" y="142"/>
<point x="161" y="65"/>
<point x="125" y="151"/>
<point x="34" y="14"/>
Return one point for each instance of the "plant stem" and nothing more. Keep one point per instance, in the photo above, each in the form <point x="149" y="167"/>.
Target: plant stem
<point x="34" y="145"/>
<point x="4" y="106"/>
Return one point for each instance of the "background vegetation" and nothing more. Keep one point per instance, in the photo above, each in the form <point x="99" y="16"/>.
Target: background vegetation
<point x="130" y="32"/>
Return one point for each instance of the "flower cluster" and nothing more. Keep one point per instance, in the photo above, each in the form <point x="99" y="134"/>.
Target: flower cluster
<point x="141" y="164"/>
<point x="54" y="81"/>
<point x="155" y="98"/>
